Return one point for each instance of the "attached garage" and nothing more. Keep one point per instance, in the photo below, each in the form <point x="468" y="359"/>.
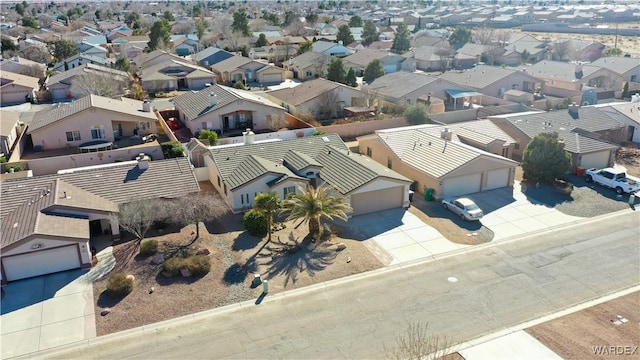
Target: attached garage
<point x="377" y="200"/>
<point x="14" y="94"/>
<point x="461" y="185"/>
<point x="271" y="77"/>
<point x="595" y="160"/>
<point x="41" y="262"/>
<point x="498" y="178"/>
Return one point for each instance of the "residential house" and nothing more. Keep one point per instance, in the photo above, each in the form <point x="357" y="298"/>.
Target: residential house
<point x="430" y="58"/>
<point x="438" y="42"/>
<point x="274" y="54"/>
<point x="171" y="74"/>
<point x="131" y="47"/>
<point x="16" y="88"/>
<point x="225" y="110"/>
<point x="48" y="222"/>
<point x="381" y="45"/>
<point x="249" y="71"/>
<point x="482" y="53"/>
<point x="79" y="60"/>
<point x="494" y="81"/>
<point x="627" y="68"/>
<point x="331" y="48"/>
<point x="627" y="113"/>
<point x="589" y="134"/>
<point x="9" y="131"/>
<point x="569" y="79"/>
<point x="59" y="85"/>
<point x="184" y="46"/>
<point x="435" y="161"/>
<point x="406" y="88"/>
<point x="211" y="55"/>
<point x="119" y="33"/>
<point x="241" y="172"/>
<point x="322" y="98"/>
<point x="577" y="50"/>
<point x="90" y="49"/>
<point x="91" y="118"/>
<point x="358" y="61"/>
<point x="20" y="65"/>
<point x="309" y="65"/>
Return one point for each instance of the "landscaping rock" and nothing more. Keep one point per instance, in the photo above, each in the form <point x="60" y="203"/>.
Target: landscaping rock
<point x="185" y="272"/>
<point x="203" y="252"/>
<point x="151" y="290"/>
<point x="105" y="311"/>
<point x="157" y="259"/>
<point x="340" y="246"/>
<point x="131" y="277"/>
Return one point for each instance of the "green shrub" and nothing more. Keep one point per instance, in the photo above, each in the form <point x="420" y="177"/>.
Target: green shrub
<point x="199" y="265"/>
<point x="239" y="85"/>
<point x="15" y="167"/>
<point x="172" y="149"/>
<point x="255" y="222"/>
<point x="119" y="285"/>
<point x="148" y="247"/>
<point x="3" y="159"/>
<point x="119" y="159"/>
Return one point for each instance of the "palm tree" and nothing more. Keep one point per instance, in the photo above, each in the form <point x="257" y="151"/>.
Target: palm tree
<point x="313" y="204"/>
<point x="268" y="203"/>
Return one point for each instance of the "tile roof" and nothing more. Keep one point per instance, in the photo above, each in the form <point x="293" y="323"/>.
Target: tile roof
<point x="559" y="70"/>
<point x="310" y="58"/>
<point x="61" y="111"/>
<point x="401" y="83"/>
<point x="8" y="121"/>
<point x="365" y="56"/>
<point x="28" y="201"/>
<point x="86" y="57"/>
<point x="481" y="76"/>
<point x="7" y="77"/>
<point x="573" y="131"/>
<point x="298" y="160"/>
<point x="304" y="92"/>
<point x="340" y="167"/>
<point x="232" y="63"/>
<point x="430" y="153"/>
<point x="619" y="65"/>
<point x="197" y="103"/>
<point x="161" y="70"/>
<point x="66" y="76"/>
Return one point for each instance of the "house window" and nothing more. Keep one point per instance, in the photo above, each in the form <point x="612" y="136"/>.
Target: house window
<point x="389" y="164"/>
<point x="289" y="190"/>
<point x="144" y="125"/>
<point x="369" y="151"/>
<point x="516" y="146"/>
<point x="308" y="74"/>
<point x="97" y="133"/>
<point x="73" y="135"/>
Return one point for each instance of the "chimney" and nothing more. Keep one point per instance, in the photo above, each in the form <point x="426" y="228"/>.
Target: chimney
<point x="578" y="71"/>
<point x="146" y="105"/>
<point x="213" y="98"/>
<point x="445" y="134"/>
<point x="248" y="137"/>
<point x="143" y="163"/>
<point x="574" y="110"/>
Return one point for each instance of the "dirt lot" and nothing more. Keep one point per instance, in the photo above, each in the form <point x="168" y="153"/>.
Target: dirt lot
<point x="629" y="157"/>
<point x="574" y="336"/>
<point x="235" y="256"/>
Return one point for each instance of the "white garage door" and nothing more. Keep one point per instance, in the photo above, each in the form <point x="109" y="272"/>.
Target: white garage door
<point x="377" y="200"/>
<point x="274" y="77"/>
<point x="460" y="185"/>
<point x="41" y="262"/>
<point x="497" y="179"/>
<point x="595" y="160"/>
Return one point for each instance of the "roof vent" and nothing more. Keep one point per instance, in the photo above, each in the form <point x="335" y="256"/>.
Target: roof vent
<point x="213" y="98"/>
<point x="445" y="134"/>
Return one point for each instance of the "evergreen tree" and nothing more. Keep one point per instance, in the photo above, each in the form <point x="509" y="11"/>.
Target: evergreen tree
<point x="369" y="33"/>
<point x="373" y="71"/>
<point x="168" y="16"/>
<point x="545" y="158"/>
<point x="304" y="47"/>
<point x="344" y="35"/>
<point x="241" y="22"/>
<point x="402" y="40"/>
<point x="160" y="34"/>
<point x="335" y="70"/>
<point x="355" y="21"/>
<point x="459" y="37"/>
<point x="351" y="79"/>
<point x="416" y="114"/>
<point x="262" y="40"/>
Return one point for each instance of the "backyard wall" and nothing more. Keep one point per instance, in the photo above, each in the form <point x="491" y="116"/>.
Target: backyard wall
<point x="356" y="129"/>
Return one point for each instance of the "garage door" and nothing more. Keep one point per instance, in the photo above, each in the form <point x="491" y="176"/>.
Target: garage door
<point x="275" y="77"/>
<point x="461" y="185"/>
<point x="595" y="160"/>
<point x="41" y="262"/>
<point x="497" y="179"/>
<point x="377" y="200"/>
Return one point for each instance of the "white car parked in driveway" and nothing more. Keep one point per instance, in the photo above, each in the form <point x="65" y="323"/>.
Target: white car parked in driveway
<point x="465" y="208"/>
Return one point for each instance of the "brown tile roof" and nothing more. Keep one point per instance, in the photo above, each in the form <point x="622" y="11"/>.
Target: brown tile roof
<point x="18" y="79"/>
<point x="304" y="92"/>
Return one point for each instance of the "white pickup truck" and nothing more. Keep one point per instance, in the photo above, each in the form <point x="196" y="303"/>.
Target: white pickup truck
<point x="614" y="178"/>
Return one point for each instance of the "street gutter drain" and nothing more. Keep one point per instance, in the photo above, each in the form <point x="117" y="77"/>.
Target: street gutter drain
<point x="452" y="279"/>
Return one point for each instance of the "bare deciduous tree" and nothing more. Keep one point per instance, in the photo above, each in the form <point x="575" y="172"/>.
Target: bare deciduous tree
<point x="223" y="26"/>
<point x="194" y="209"/>
<point x="560" y="49"/>
<point x="443" y="58"/>
<point x="483" y="36"/>
<point x="320" y="64"/>
<point x="417" y="343"/>
<point x="275" y="122"/>
<point x="181" y="28"/>
<point x="137" y="217"/>
<point x="326" y="105"/>
<point x="36" y="53"/>
<point x="99" y="84"/>
<point x="296" y="28"/>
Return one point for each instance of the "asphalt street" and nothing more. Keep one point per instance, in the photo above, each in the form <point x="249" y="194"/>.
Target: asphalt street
<point x="479" y="291"/>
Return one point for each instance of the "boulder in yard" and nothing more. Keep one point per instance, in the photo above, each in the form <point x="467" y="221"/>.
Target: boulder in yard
<point x="157" y="259"/>
<point x="340" y="246"/>
<point x="105" y="311"/>
<point x="203" y="252"/>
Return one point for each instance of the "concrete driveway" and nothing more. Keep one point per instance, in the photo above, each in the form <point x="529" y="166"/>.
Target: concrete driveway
<point x="51" y="310"/>
<point x="397" y="236"/>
